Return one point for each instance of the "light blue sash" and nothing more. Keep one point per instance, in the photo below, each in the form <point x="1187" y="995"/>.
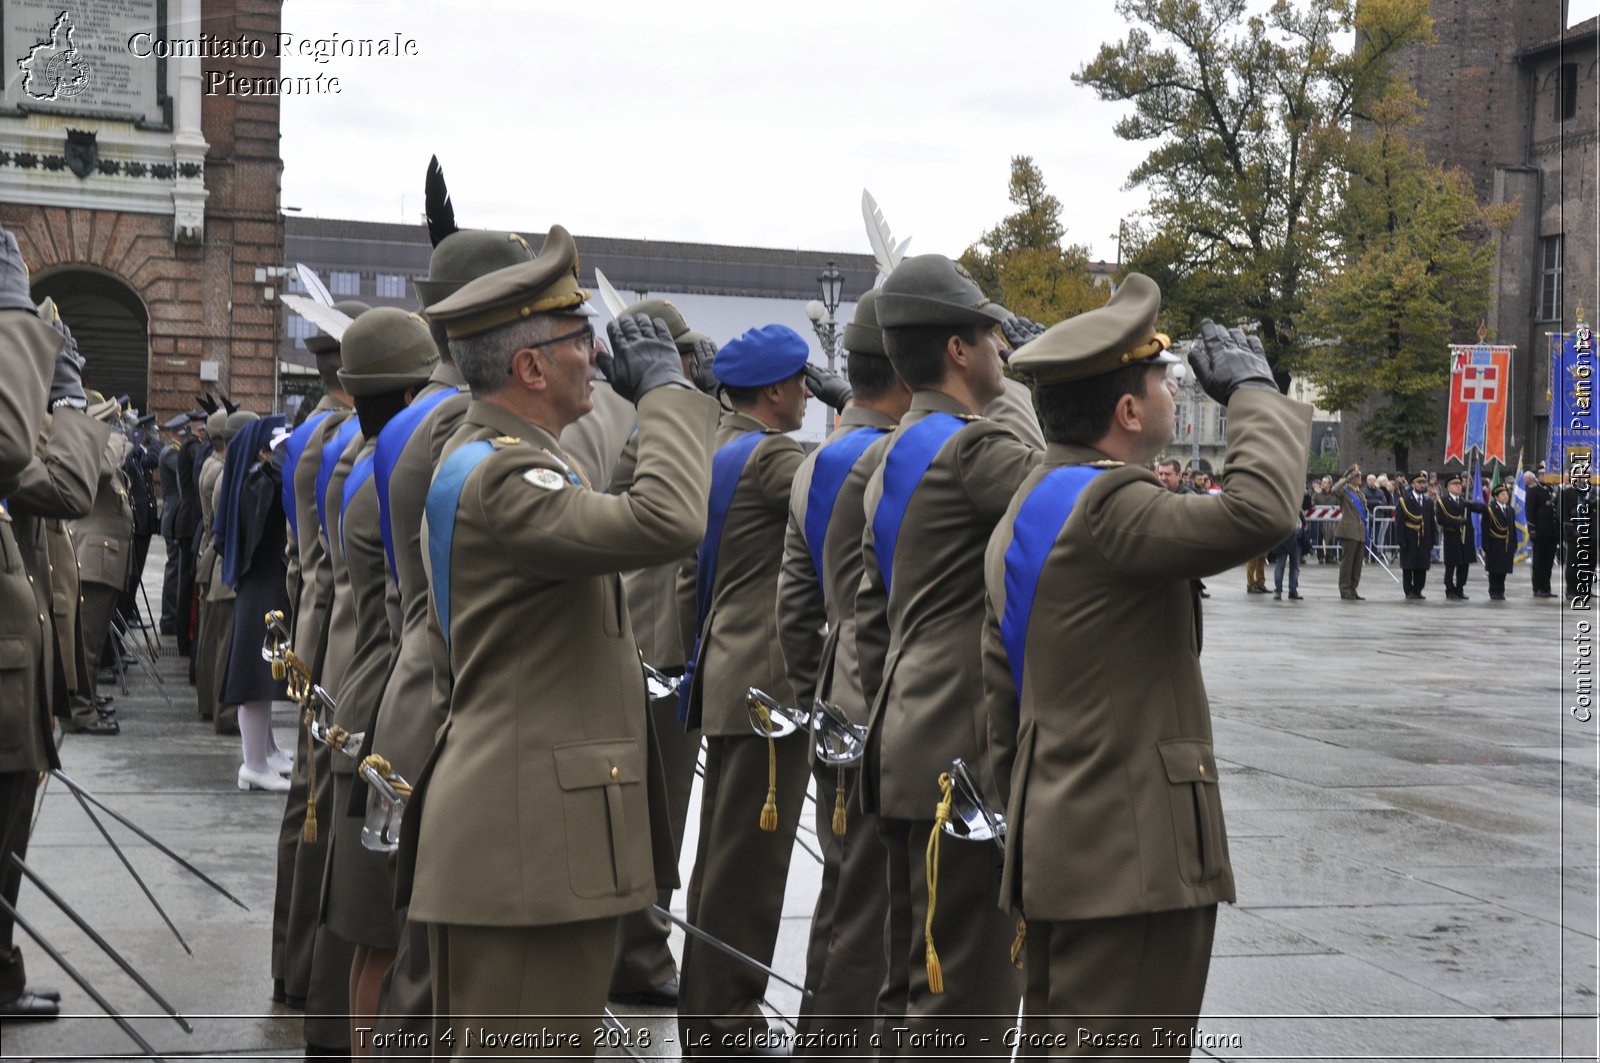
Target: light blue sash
<point x="392" y="441"/>
<point x="444" y="497"/>
<point x="330" y="458"/>
<point x="293" y="447"/>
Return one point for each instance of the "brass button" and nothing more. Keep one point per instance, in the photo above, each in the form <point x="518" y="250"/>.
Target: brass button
<point x="1202" y="769"/>
<point x="41" y="618"/>
<point x="616" y="772"/>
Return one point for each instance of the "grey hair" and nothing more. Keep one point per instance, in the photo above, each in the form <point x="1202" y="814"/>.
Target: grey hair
<point x="485" y="359"/>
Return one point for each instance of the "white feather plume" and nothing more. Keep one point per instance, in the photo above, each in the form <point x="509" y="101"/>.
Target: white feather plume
<point x="609" y="296"/>
<point x="313" y="284"/>
<point x="884" y="249"/>
<point x="325" y="318"/>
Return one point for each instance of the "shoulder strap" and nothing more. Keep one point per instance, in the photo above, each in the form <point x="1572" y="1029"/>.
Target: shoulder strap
<point x="330" y="458"/>
<point x="392" y="441"/>
<point x="1038" y="524"/>
<point x="293" y="447"/>
<point x="444" y="498"/>
<point x="828" y="475"/>
<point x="903" y="468"/>
<point x="360" y="473"/>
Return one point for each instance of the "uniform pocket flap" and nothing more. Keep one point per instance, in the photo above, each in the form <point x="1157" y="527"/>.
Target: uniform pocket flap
<point x="1188" y="760"/>
<point x="13" y="652"/>
<point x="599" y="762"/>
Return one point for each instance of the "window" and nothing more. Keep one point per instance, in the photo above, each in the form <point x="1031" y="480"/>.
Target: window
<point x="1550" y="256"/>
<point x="1567" y="92"/>
<point x="391" y="287"/>
<point x="299" y="329"/>
<point x="344" y="283"/>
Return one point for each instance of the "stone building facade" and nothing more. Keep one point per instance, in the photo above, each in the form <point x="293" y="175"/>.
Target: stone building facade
<point x="145" y="206"/>
<point x="1511" y="99"/>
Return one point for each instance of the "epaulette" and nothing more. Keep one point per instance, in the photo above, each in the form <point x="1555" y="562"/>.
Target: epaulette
<point x="501" y="442"/>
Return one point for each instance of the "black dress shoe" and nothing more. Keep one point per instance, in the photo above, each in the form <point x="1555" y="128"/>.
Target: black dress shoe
<point x="1295" y="596"/>
<point x="45" y="991"/>
<point x="664" y="995"/>
<point x="101" y="726"/>
<point x="277" y="991"/>
<point x="29" y="1005"/>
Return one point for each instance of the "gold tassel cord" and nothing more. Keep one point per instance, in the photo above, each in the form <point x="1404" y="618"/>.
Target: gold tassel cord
<point x="385" y="770"/>
<point x="838" y="807"/>
<point x="941" y="815"/>
<point x="1019" y="943"/>
<point x="308" y="833"/>
<point x="769" y="811"/>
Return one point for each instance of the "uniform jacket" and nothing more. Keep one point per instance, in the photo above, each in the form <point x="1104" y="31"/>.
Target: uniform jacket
<point x="817" y="611"/>
<point x="410" y="713"/>
<point x="1455" y="525"/>
<point x="1500" y="538"/>
<point x="594" y="441"/>
<point x="104" y="538"/>
<point x="167" y="470"/>
<point x="30" y="347"/>
<point x="1541" y="511"/>
<point x="1414" y="517"/>
<point x="536" y="805"/>
<point x="188" y="515"/>
<point x="918" y="647"/>
<point x="1350" y="524"/>
<point x="209" y="568"/>
<point x="739" y="633"/>
<point x="339" y="638"/>
<point x="1113" y="799"/>
<point x="312" y="583"/>
<point x="375" y="638"/>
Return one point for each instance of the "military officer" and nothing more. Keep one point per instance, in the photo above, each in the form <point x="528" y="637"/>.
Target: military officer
<point x="941" y="481"/>
<point x="1351" y="532"/>
<point x="302" y="849"/>
<point x="742" y="863"/>
<point x="1454" y="514"/>
<point x="546" y="719"/>
<point x="1500" y="540"/>
<point x="413" y="704"/>
<point x="1094" y="745"/>
<point x="167" y="473"/>
<point x="1540" y="509"/>
<point x="38" y="376"/>
<point x="103" y="540"/>
<point x="185" y="523"/>
<point x="1414" y="511"/>
<point x="644" y="971"/>
<point x="816" y="630"/>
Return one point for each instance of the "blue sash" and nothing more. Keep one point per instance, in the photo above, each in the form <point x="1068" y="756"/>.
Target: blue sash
<point x="828" y="475"/>
<point x="293" y="447"/>
<point x="1035" y="530"/>
<point x="359" y="474"/>
<point x="1361" y="511"/>
<point x="444" y="497"/>
<point x="330" y="458"/>
<point x="391" y="442"/>
<point x="727" y="468"/>
<point x="903" y="468"/>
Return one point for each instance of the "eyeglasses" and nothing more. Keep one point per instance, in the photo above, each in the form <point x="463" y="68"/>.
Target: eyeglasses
<point x="584" y="335"/>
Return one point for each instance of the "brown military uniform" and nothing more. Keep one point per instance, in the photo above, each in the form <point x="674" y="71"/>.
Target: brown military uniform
<point x="216" y="608"/>
<point x="1112" y="753"/>
<point x="595" y="441"/>
<point x="523" y="921"/>
<point x="816" y="630"/>
<point x="104" y="543"/>
<point x="1351" y="532"/>
<point x="920" y="673"/>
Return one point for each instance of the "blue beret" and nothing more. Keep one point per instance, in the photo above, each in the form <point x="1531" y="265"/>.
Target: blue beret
<point x="760" y="357"/>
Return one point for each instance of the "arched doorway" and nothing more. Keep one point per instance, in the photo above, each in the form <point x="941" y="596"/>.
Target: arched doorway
<point x="111" y="325"/>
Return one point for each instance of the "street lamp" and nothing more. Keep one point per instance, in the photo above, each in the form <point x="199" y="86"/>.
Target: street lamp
<point x="821" y="313"/>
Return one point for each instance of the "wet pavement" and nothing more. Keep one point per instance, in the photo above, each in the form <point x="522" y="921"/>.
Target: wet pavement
<point x="1411" y="812"/>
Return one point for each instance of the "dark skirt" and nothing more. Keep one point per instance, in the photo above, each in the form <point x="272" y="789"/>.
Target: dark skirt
<point x="248" y="677"/>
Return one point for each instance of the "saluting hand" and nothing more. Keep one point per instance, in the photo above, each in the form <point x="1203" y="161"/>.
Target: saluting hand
<point x="644" y="357"/>
<point x="831" y="388"/>
<point x="704" y="352"/>
<point x="13" y="276"/>
<point x="1227" y="360"/>
<point x="1018" y="330"/>
<point x="66" y="384"/>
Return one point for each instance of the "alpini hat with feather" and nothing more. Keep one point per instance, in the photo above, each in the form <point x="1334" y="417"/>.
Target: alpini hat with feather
<point x="546" y="284"/>
<point x="459" y="255"/>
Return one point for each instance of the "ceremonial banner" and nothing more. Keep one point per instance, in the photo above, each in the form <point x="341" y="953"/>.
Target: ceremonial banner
<point x="1480" y="395"/>
<point x="1574" y="431"/>
<point x="1519" y="505"/>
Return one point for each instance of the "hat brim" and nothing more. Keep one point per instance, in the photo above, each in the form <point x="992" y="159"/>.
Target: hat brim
<point x="897" y="310"/>
<point x="362" y="385"/>
<point x="686" y="340"/>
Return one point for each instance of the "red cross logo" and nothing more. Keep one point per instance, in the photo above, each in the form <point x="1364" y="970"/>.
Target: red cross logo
<point x="1480" y="383"/>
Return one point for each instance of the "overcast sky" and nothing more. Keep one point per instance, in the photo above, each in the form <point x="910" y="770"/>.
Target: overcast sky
<point x="712" y="121"/>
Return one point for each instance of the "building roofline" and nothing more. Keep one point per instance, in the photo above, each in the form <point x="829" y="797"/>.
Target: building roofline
<point x="1588" y="29"/>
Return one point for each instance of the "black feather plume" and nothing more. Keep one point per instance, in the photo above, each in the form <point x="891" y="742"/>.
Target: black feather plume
<point x="228" y="404"/>
<point x="436" y="203"/>
<point x="207" y="403"/>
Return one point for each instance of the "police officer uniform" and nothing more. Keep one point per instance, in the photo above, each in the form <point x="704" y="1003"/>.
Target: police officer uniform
<point x="547" y="722"/>
<point x="1414" y="514"/>
<point x="816" y="630"/>
<point x="753" y="789"/>
<point x="919" y="613"/>
<point x="1459" y="537"/>
<point x="1500" y="539"/>
<point x="1116" y="851"/>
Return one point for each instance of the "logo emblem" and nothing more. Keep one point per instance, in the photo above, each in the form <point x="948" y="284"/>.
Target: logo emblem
<point x="548" y="479"/>
<point x="82" y="151"/>
<point x="54" y="69"/>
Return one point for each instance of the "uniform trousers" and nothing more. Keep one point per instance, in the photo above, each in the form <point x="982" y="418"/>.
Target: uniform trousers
<point x="291" y="952"/>
<point x="544" y="982"/>
<point x="1455" y="578"/>
<point x="17" y="790"/>
<point x="736" y="890"/>
<point x="643" y="960"/>
<point x="169" y="586"/>
<point x="94" y="620"/>
<point x="184" y="617"/>
<point x="1350" y="559"/>
<point x="1104" y="987"/>
<point x="211" y="661"/>
<point x="405" y="997"/>
<point x="1497" y="584"/>
<point x="1255" y="572"/>
<point x="845" y="961"/>
<point x="972" y="935"/>
<point x="327" y="991"/>
<point x="1412" y="579"/>
<point x="1544" y="558"/>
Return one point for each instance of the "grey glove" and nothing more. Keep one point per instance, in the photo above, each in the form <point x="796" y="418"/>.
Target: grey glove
<point x="13" y="275"/>
<point x="704" y="352"/>
<point x="831" y="388"/>
<point x="66" y="385"/>
<point x="643" y="357"/>
<point x="1019" y="330"/>
<point x="1226" y="360"/>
